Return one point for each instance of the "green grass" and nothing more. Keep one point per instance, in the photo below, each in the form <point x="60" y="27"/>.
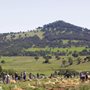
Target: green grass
<point x="29" y="64"/>
<point x="81" y="67"/>
<point x="78" y="49"/>
<point x="66" y="41"/>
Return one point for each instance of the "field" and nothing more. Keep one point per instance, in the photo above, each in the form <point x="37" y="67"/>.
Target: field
<point x="78" y="49"/>
<point x="29" y="64"/>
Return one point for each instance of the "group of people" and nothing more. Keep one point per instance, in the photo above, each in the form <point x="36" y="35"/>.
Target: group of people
<point x="6" y="77"/>
<point x="23" y="76"/>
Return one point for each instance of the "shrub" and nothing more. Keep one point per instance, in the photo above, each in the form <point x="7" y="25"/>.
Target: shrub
<point x="0" y="68"/>
<point x="36" y="58"/>
<point x="3" y="61"/>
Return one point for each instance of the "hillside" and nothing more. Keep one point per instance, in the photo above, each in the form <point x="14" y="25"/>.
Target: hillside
<point x="58" y="34"/>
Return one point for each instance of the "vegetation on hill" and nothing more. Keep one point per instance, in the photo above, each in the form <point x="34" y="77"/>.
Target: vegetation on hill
<point x="58" y="34"/>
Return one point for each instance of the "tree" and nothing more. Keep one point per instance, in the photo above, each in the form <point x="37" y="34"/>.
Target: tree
<point x="78" y="60"/>
<point x="88" y="58"/>
<point x="57" y="57"/>
<point x="25" y="35"/>
<point x="75" y="54"/>
<point x="70" y="61"/>
<point x="46" y="59"/>
<point x="63" y="63"/>
<point x="0" y="68"/>
<point x="19" y="36"/>
<point x="3" y="61"/>
<point x="36" y="58"/>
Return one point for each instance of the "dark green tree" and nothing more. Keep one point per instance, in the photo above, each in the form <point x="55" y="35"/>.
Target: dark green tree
<point x="46" y="59"/>
<point x="36" y="58"/>
<point x="78" y="60"/>
<point x="63" y="63"/>
<point x="70" y="61"/>
<point x="0" y="68"/>
<point x="57" y="57"/>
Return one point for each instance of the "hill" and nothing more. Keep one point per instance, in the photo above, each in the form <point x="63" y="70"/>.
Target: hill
<point x="58" y="34"/>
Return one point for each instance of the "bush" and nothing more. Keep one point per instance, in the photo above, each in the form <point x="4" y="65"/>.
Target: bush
<point x="36" y="57"/>
<point x="46" y="61"/>
<point x="57" y="57"/>
<point x="3" y="61"/>
<point x="0" y="68"/>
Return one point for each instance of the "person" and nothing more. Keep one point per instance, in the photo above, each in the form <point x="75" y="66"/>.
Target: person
<point x="38" y="75"/>
<point x="30" y="76"/>
<point x="16" y="76"/>
<point x="24" y="75"/>
<point x="3" y="77"/>
<point x="82" y="76"/>
<point x="67" y="74"/>
<point x="7" y="78"/>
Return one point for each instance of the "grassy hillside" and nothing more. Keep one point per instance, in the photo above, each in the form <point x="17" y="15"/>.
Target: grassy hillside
<point x="78" y="49"/>
<point x="29" y="64"/>
<point x="57" y="35"/>
<point x="25" y="34"/>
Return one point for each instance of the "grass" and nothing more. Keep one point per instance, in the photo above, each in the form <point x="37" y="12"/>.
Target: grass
<point x="81" y="67"/>
<point x="66" y="41"/>
<point x="29" y="64"/>
<point x="78" y="49"/>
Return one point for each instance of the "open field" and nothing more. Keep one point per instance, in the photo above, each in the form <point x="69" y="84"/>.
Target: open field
<point x="29" y="64"/>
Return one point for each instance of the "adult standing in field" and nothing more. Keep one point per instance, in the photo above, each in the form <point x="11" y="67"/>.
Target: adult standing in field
<point x="16" y="76"/>
<point x="30" y="76"/>
<point x="7" y="78"/>
<point x="38" y="75"/>
<point x="3" y="76"/>
<point x="24" y="75"/>
<point x="82" y="76"/>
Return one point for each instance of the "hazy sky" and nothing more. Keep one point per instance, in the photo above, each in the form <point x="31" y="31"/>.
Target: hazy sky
<point x="23" y="15"/>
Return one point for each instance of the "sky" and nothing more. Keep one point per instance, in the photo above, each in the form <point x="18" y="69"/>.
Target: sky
<point x="23" y="15"/>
